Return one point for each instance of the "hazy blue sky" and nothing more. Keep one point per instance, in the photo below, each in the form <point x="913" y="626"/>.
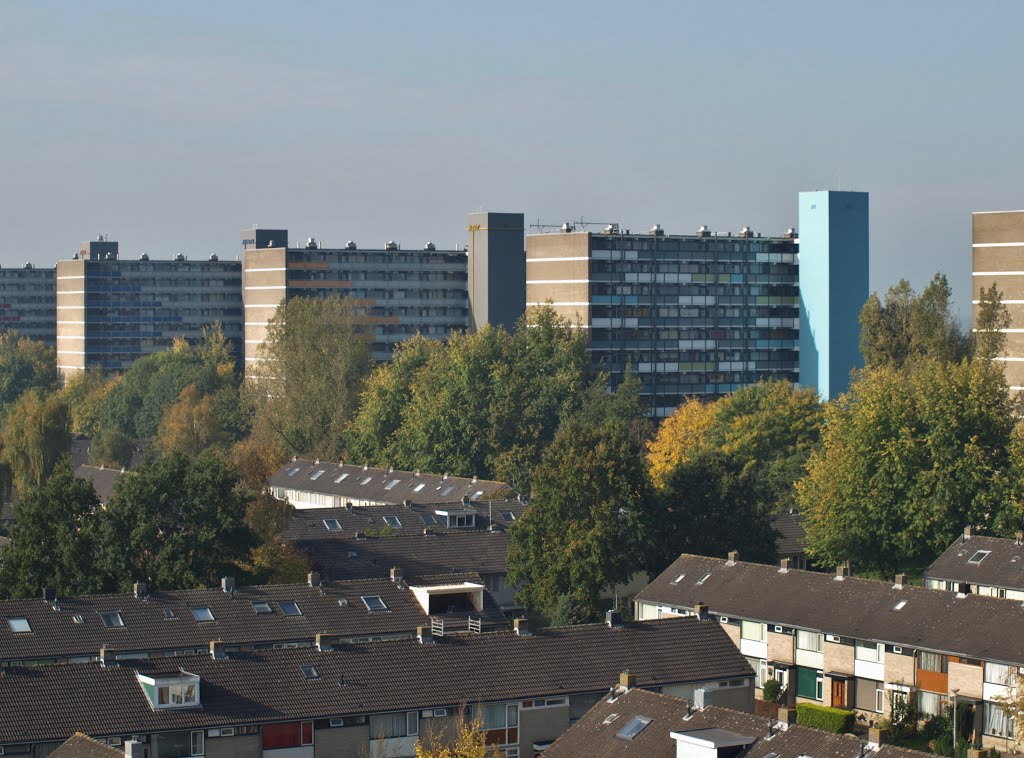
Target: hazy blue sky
<point x="171" y="126"/>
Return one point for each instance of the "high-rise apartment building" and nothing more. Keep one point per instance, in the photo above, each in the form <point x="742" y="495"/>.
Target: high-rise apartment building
<point x="833" y="287"/>
<point x="111" y="311"/>
<point x="693" y="315"/>
<point x="401" y="292"/>
<point x="28" y="303"/>
<point x="998" y="258"/>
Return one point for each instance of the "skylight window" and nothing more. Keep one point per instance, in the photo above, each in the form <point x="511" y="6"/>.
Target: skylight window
<point x="678" y="579"/>
<point x="703" y="579"/>
<point x="978" y="557"/>
<point x="332" y="524"/>
<point x="428" y="518"/>
<point x="19" y="625"/>
<point x="112" y="619"/>
<point x="203" y="613"/>
<point x="169" y="614"/>
<point x="341" y="478"/>
<point x="476" y="495"/>
<point x="447" y="490"/>
<point x="293" y="472"/>
<point x="374" y="603"/>
<point x="290" y="608"/>
<point x="261" y="606"/>
<point x="419" y="486"/>
<point x="365" y="480"/>
<point x="78" y="618"/>
<point x="392" y="484"/>
<point x="317" y="474"/>
<point x="636" y="725"/>
<point x="310" y="672"/>
<point x="392" y="521"/>
<point x="899" y="605"/>
<point x="508" y="516"/>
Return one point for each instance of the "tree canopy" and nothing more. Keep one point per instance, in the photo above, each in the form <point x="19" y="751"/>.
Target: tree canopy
<point x="304" y="388"/>
<point x="24" y="364"/>
<point x="33" y="437"/>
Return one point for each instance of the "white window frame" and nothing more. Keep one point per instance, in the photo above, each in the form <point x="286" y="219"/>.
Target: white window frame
<point x="762" y="631"/>
<point x="818" y="637"/>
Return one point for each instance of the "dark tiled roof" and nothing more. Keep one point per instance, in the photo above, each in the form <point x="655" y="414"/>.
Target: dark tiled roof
<point x="342" y="557"/>
<point x="57" y="633"/>
<point x="791" y="539"/>
<point x="1002" y="567"/>
<point x="865" y="609"/>
<point x="592" y="737"/>
<point x="309" y="523"/>
<point x="103" y="479"/>
<point x="801" y="740"/>
<point x="383" y="485"/>
<point x="52" y="702"/>
<point x="82" y="746"/>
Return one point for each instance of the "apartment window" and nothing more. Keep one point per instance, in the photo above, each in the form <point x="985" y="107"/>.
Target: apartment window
<point x="997" y="722"/>
<point x="810" y="641"/>
<point x="997" y="673"/>
<point x="751" y="630"/>
<point x="111" y="619"/>
<point x="868" y="651"/>
<point x="933" y="662"/>
<point x="808" y="683"/>
<point x="290" y="608"/>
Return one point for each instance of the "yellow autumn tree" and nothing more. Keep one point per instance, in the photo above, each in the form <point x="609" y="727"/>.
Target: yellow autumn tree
<point x="190" y="424"/>
<point x="678" y="438"/>
<point x="466" y="740"/>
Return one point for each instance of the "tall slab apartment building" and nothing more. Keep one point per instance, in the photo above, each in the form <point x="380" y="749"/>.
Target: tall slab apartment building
<point x="998" y="258"/>
<point x="112" y="311"/>
<point x="28" y="301"/>
<point x="693" y="315"/>
<point x="401" y="291"/>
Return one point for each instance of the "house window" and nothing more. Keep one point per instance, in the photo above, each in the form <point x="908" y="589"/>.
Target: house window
<point x="203" y="614"/>
<point x="751" y="630"/>
<point x="111" y="619"/>
<point x="290" y="608"/>
<point x="808" y="683"/>
<point x="177" y="694"/>
<point x="387" y="726"/>
<point x="365" y="480"/>
<point x="374" y="603"/>
<point x="997" y="673"/>
<point x="868" y="651"/>
<point x="997" y="722"/>
<point x="869" y="695"/>
<point x="19" y="625"/>
<point x="198" y="743"/>
<point x="810" y="641"/>
<point x="930" y="703"/>
<point x="760" y="667"/>
<point x="933" y="662"/>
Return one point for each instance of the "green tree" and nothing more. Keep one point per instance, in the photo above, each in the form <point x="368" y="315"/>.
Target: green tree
<point x="176" y="523"/>
<point x="909" y="458"/>
<point x="24" y="364"/>
<point x="111" y="448"/>
<point x="909" y="326"/>
<point x="590" y="521"/>
<point x="305" y="387"/>
<point x="989" y="338"/>
<point x="568" y="612"/>
<point x="34" y="437"/>
<point x="85" y="394"/>
<point x="50" y="540"/>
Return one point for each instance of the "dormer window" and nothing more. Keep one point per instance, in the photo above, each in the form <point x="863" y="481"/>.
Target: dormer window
<point x="19" y="625"/>
<point x="111" y="619"/>
<point x="171" y="692"/>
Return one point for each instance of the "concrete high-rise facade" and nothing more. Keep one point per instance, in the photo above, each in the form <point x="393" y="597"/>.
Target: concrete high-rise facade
<point x="998" y="259"/>
<point x="497" y="269"/>
<point x="111" y="311"/>
<point x="692" y="315"/>
<point x="28" y="303"/>
<point x="834" y="251"/>
<point x="400" y="291"/>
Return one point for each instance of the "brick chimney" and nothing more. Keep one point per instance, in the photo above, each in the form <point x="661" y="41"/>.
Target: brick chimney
<point x="135" y="749"/>
<point x="141" y="590"/>
<point x="522" y="626"/>
<point x="396" y="573"/>
<point x="313" y="579"/>
<point x="785" y="565"/>
<point x="425" y="635"/>
<point x="734" y="555"/>
<point x="901" y="581"/>
<point x="106" y="659"/>
<point x="217" y="649"/>
<point x="627" y="680"/>
<point x="613" y="619"/>
<point x="323" y="642"/>
<point x="227" y="584"/>
<point x="787" y="716"/>
<point x="842" y="571"/>
<point x="968" y="532"/>
<point x="700" y="610"/>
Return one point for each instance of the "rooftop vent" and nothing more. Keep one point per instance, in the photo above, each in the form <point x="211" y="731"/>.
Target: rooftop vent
<point x="390" y="245"/>
<point x="350" y="245"/>
<point x="430" y="246"/>
<point x="703" y="231"/>
<point x="144" y="257"/>
<point x="312" y="244"/>
<point x="790" y="233"/>
<point x="567" y="227"/>
<point x="28" y="265"/>
<point x="213" y="257"/>
<point x="746" y="232"/>
<point x="611" y="229"/>
<point x="179" y="257"/>
<point x="141" y="590"/>
<point x="109" y="257"/>
<point x="657" y="231"/>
